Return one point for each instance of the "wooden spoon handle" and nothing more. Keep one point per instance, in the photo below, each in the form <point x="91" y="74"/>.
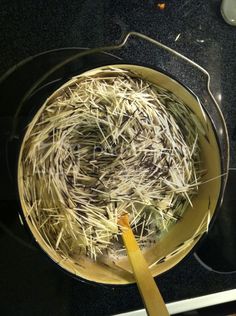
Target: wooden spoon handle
<point x="147" y="287"/>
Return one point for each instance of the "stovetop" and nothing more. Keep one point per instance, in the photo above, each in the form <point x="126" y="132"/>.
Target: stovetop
<point x="30" y="284"/>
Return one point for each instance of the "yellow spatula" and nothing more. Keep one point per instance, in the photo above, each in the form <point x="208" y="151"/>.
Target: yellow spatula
<point x="148" y="289"/>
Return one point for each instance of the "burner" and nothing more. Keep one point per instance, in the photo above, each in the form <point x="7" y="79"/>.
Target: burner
<point x="217" y="251"/>
<point x="13" y="86"/>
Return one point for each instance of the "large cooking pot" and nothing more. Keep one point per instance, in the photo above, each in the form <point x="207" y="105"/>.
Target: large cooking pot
<point x="183" y="236"/>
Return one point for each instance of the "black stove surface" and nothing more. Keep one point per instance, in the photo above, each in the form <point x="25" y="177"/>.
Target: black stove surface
<point x="30" y="283"/>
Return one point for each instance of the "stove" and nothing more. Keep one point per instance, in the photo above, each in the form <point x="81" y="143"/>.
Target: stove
<point x="30" y="283"/>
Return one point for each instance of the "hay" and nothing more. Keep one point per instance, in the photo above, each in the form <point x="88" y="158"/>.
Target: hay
<point x="108" y="144"/>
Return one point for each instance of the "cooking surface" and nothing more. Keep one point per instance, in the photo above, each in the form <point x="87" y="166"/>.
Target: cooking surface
<point x="30" y="284"/>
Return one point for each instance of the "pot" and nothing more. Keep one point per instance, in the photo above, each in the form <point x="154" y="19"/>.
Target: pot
<point x="185" y="234"/>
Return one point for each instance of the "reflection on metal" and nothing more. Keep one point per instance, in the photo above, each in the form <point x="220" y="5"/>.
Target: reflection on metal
<point x="177" y="37"/>
<point x="221" y="131"/>
<point x="219" y="97"/>
<point x="200" y="41"/>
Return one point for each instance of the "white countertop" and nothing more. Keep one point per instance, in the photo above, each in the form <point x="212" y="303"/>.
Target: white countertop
<point x="192" y="303"/>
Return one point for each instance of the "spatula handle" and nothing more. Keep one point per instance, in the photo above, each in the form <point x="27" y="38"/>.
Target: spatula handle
<point x="151" y="296"/>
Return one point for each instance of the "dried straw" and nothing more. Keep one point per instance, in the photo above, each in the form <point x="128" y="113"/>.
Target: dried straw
<point x="109" y="144"/>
